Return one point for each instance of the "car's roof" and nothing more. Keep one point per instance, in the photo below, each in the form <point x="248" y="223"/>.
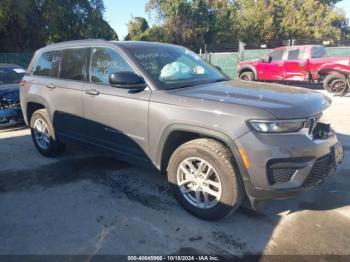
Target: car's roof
<point x="9" y="66"/>
<point x="139" y="44"/>
<point x="92" y="42"/>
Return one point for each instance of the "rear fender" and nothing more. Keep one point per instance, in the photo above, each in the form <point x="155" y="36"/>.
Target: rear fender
<point x="329" y="68"/>
<point x="36" y="100"/>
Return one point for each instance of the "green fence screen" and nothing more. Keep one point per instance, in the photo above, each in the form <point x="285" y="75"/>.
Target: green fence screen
<point x="21" y="59"/>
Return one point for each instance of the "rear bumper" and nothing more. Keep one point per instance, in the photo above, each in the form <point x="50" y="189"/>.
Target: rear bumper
<point x="283" y="166"/>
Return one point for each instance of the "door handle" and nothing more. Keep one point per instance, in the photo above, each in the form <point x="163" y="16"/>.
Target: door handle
<point x="92" y="92"/>
<point x="51" y="86"/>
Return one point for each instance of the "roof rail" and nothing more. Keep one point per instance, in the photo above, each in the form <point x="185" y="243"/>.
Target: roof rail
<point x="77" y="41"/>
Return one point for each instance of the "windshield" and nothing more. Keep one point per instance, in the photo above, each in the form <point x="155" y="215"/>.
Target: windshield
<point x="175" y="67"/>
<point x="11" y="75"/>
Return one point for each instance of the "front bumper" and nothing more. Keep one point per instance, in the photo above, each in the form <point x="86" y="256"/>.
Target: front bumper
<point x="286" y="164"/>
<point x="10" y="116"/>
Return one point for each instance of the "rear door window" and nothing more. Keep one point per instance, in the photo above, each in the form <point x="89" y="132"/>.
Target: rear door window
<point x="44" y="64"/>
<point x="105" y="61"/>
<point x="73" y="64"/>
<point x="293" y="54"/>
<point x="296" y="54"/>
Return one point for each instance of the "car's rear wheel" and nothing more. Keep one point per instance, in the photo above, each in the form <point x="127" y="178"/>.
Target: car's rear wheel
<point x="43" y="134"/>
<point x="204" y="180"/>
<point x="247" y="76"/>
<point x="336" y="84"/>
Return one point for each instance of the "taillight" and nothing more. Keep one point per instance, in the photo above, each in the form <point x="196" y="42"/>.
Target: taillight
<point x="22" y="83"/>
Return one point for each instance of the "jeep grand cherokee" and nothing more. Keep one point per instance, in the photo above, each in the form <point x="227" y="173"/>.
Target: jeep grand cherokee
<point x="160" y="104"/>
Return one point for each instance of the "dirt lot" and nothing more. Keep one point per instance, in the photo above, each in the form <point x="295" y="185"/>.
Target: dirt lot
<point x="86" y="203"/>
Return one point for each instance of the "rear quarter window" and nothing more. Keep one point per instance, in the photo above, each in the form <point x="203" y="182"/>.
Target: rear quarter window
<point x="43" y="65"/>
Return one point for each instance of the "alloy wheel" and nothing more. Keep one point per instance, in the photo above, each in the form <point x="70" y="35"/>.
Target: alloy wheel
<point x="199" y="183"/>
<point x="41" y="134"/>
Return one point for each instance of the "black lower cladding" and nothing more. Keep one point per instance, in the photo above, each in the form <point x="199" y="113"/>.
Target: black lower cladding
<point x="321" y="169"/>
<point x="282" y="170"/>
<point x="282" y="175"/>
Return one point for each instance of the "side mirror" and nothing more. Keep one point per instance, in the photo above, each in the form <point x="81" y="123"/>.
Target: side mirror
<point x="266" y="59"/>
<point x="127" y="80"/>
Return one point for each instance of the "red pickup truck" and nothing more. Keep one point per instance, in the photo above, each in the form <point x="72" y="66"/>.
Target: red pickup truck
<point x="304" y="63"/>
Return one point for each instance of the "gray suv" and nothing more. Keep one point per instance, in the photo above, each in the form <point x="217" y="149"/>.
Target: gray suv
<point x="217" y="140"/>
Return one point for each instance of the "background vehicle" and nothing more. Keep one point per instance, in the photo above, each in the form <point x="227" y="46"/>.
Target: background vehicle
<point x="160" y="104"/>
<point x="10" y="111"/>
<point x="307" y="63"/>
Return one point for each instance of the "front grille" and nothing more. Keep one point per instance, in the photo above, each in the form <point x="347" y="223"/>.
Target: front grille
<point x="320" y="170"/>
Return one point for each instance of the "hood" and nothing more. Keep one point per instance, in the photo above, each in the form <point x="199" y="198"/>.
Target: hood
<point x="9" y="92"/>
<point x="284" y="102"/>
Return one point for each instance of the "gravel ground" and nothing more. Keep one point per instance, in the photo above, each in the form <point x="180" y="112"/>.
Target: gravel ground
<point x="87" y="203"/>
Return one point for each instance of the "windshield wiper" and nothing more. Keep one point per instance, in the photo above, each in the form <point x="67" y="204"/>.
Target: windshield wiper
<point x="198" y="83"/>
<point x="219" y="80"/>
<point x="181" y="86"/>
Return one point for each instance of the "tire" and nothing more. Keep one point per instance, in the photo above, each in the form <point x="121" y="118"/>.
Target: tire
<point x="48" y="145"/>
<point x="247" y="76"/>
<point x="336" y="84"/>
<point x="220" y="160"/>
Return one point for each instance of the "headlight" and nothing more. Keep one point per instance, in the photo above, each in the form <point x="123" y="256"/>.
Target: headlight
<point x="278" y="126"/>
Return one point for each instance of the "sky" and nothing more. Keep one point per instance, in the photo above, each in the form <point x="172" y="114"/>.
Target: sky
<point x="119" y="12"/>
<point x="345" y="4"/>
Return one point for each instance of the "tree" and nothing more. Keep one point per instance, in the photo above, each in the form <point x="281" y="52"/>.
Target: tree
<point x="136" y="27"/>
<point x="38" y="22"/>
<point x="156" y="34"/>
<point x="195" y="22"/>
<point x="20" y="30"/>
<point x="262" y="21"/>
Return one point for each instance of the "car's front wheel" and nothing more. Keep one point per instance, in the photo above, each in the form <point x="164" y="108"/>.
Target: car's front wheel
<point x="204" y="179"/>
<point x="43" y="134"/>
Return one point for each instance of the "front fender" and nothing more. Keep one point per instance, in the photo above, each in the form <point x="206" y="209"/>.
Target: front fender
<point x="203" y="131"/>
